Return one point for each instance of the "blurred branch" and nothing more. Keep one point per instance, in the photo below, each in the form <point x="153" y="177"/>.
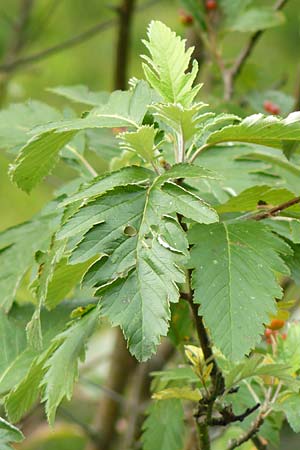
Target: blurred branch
<point x="125" y="12"/>
<point x="78" y="39"/>
<point x="17" y="43"/>
<point x="297" y="92"/>
<point x="231" y="74"/>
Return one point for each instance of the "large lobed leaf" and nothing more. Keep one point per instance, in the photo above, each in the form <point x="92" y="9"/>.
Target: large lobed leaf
<point x="140" y="247"/>
<point x="234" y="281"/>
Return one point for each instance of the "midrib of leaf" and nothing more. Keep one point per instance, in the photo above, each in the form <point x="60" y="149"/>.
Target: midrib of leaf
<point x="116" y="116"/>
<point x="230" y="280"/>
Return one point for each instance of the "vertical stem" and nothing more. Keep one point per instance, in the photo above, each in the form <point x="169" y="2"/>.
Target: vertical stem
<point x="125" y="10"/>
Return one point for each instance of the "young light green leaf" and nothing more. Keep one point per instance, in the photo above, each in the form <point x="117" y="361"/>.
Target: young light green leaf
<point x="181" y="393"/>
<point x="168" y="75"/>
<point x="164" y="426"/>
<point x="140" y="142"/>
<point x="234" y="281"/>
<point x="182" y="120"/>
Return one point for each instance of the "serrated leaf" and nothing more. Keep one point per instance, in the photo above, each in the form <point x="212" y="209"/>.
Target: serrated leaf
<point x="291" y="408"/>
<point x="26" y="393"/>
<point x="61" y="369"/>
<point x="18" y="246"/>
<point x="38" y="158"/>
<point x="81" y="94"/>
<point x="40" y="155"/>
<point x="287" y="227"/>
<point x="9" y="434"/>
<point x="234" y="281"/>
<point x="270" y="131"/>
<point x="256" y="19"/>
<point x="164" y="426"/>
<point x="140" y="142"/>
<point x="182" y="120"/>
<point x="169" y="76"/>
<point x="137" y="271"/>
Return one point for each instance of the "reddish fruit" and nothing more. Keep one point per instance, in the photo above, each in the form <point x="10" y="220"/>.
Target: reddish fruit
<point x="211" y="5"/>
<point x="268" y="332"/>
<point x="283" y="336"/>
<point x="185" y="18"/>
<point x="276" y="324"/>
<point x="271" y="107"/>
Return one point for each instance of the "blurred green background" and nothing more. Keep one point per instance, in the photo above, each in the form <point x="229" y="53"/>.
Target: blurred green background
<point x="275" y="63"/>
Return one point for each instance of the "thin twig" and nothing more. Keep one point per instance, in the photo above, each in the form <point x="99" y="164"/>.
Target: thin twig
<point x="249" y="434"/>
<point x="68" y="43"/>
<point x="234" y="71"/>
<point x="275" y="210"/>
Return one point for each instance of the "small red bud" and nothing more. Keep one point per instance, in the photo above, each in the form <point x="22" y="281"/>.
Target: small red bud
<point x="211" y="5"/>
<point x="271" y="107"/>
<point x="185" y="18"/>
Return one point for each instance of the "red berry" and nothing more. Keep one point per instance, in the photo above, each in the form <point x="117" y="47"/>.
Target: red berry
<point x="283" y="336"/>
<point x="268" y="332"/>
<point x="271" y="107"/>
<point x="211" y="5"/>
<point x="185" y="18"/>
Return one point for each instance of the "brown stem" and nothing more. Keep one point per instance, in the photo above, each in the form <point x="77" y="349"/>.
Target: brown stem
<point x="259" y="444"/>
<point x="276" y="210"/>
<point x="249" y="434"/>
<point x="231" y="74"/>
<point x="228" y="416"/>
<point x="125" y="11"/>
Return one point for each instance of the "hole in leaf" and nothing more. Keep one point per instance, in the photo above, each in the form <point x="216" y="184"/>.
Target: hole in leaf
<point x="130" y="231"/>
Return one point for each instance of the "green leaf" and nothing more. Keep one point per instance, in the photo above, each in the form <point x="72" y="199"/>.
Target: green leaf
<point x="179" y="374"/>
<point x="81" y="94"/>
<point x="99" y="185"/>
<point x="270" y="131"/>
<point x="169" y="76"/>
<point x="234" y="281"/>
<point x="182" y="120"/>
<point x="18" y="119"/>
<point x="286" y="227"/>
<point x="189" y="204"/>
<point x="38" y="158"/>
<point x="293" y="262"/>
<point x="256" y="19"/>
<point x="140" y="142"/>
<point x="289" y="350"/>
<point x="291" y="408"/>
<point x="25" y="394"/>
<point x="18" y="246"/>
<point x="140" y="247"/>
<point x="164" y="426"/>
<point x="257" y="197"/>
<point x="61" y="369"/>
<point x="9" y="434"/>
